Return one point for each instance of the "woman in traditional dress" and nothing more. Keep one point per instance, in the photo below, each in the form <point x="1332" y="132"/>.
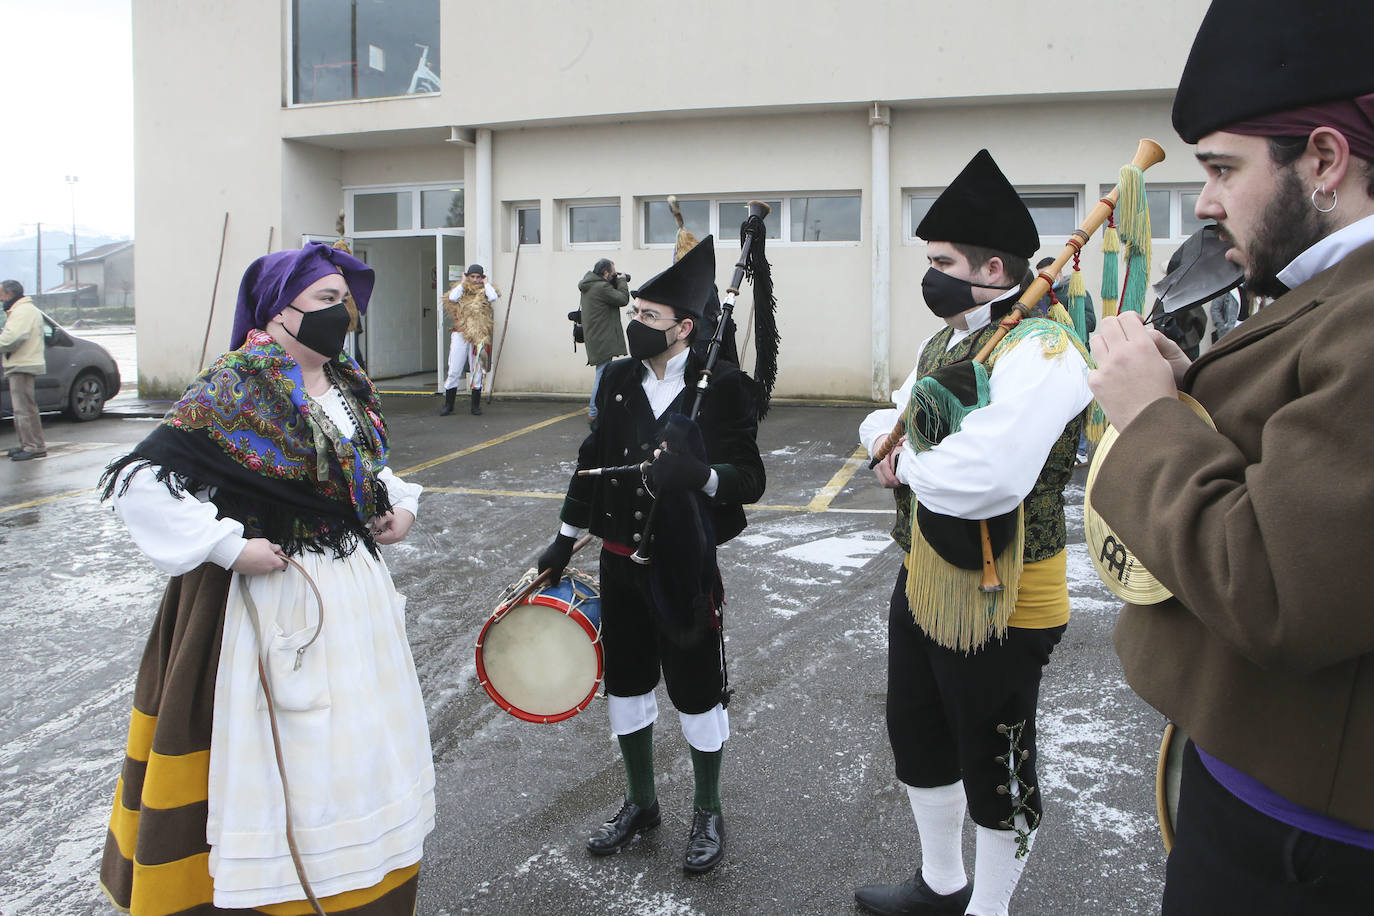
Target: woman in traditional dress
<point x="277" y="450"/>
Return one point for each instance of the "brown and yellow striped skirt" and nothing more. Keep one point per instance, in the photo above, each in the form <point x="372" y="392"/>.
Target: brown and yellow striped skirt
<point x="156" y="859"/>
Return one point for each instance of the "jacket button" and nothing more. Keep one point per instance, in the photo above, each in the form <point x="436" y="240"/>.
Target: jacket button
<point x="637" y="538"/>
<point x="639" y="491"/>
<point x="619" y="397"/>
<point x="627" y="453"/>
<point x="639" y="516"/>
<point x="615" y="482"/>
<point x="644" y="446"/>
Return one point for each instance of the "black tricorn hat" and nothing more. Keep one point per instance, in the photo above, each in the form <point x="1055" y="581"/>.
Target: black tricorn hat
<point x="1258" y="57"/>
<point x="980" y="207"/>
<point x="688" y="284"/>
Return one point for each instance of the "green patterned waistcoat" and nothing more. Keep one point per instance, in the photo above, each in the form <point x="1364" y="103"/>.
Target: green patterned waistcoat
<point x="1044" y="506"/>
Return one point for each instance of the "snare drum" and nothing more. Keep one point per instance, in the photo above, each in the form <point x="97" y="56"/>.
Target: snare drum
<point x="540" y="658"/>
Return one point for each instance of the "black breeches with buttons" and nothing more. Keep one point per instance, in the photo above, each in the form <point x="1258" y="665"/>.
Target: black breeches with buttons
<point x="636" y="649"/>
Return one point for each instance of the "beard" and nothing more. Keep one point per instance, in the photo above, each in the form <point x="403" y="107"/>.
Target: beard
<point x="1289" y="226"/>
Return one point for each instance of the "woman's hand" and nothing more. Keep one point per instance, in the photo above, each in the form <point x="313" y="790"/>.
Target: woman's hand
<point x="393" y="527"/>
<point x="259" y="556"/>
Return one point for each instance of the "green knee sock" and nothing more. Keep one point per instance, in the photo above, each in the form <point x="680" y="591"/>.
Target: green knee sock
<point x="706" y="770"/>
<point x="637" y="749"/>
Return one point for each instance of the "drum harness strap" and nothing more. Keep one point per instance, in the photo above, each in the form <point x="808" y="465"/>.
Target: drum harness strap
<point x="272" y="719"/>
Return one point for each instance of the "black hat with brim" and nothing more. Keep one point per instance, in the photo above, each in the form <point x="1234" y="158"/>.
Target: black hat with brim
<point x="1257" y="57"/>
<point x="980" y="207"/>
<point x="687" y="285"/>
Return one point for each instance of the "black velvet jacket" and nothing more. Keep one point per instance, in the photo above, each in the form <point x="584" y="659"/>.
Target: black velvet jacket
<point x="614" y="507"/>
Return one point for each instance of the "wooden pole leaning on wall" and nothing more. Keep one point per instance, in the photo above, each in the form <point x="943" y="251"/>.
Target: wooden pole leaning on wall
<point x="214" y="291"/>
<point x="505" y="325"/>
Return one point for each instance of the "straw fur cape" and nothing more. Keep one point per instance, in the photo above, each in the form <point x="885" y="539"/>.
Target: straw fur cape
<point x="472" y="314"/>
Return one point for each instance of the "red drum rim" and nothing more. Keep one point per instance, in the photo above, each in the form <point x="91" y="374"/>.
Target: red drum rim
<point x="576" y="617"/>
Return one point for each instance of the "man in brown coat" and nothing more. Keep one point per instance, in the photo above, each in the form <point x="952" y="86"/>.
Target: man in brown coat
<point x="1263" y="528"/>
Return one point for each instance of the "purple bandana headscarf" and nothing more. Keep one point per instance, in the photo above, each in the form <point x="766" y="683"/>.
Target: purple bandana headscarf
<point x="273" y="282"/>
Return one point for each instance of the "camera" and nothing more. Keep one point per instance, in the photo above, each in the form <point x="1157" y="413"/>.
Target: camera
<point x="625" y="277"/>
<point x="575" y="316"/>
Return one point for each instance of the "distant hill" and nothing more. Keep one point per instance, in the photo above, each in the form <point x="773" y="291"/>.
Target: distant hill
<point x="17" y="254"/>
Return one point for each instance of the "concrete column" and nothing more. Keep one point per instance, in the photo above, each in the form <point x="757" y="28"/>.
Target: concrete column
<point x="480" y="236"/>
<point x="880" y="241"/>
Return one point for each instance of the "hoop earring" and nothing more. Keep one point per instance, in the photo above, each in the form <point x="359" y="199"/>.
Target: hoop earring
<point x="1318" y="208"/>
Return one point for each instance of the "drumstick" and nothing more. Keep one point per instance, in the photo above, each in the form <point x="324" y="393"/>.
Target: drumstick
<point x="543" y="577"/>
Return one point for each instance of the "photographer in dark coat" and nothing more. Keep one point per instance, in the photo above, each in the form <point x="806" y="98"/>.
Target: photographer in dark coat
<point x="665" y="616"/>
<point x="604" y="294"/>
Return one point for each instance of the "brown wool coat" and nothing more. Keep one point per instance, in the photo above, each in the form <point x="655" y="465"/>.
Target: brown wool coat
<point x="1264" y="530"/>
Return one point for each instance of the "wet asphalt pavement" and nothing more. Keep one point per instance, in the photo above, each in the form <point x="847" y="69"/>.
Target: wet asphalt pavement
<point x="812" y="808"/>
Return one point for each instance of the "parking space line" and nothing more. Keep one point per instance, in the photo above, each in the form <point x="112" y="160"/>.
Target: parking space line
<point x="821" y="501"/>
<point x="46" y="499"/>
<point x="434" y="462"/>
<point x="755" y="507"/>
<point x="516" y="494"/>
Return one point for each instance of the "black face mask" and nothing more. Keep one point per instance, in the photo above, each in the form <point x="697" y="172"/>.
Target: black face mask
<point x="324" y="331"/>
<point x="645" y="342"/>
<point x="947" y="296"/>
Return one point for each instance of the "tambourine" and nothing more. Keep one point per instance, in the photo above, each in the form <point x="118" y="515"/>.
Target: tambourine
<point x="1118" y="568"/>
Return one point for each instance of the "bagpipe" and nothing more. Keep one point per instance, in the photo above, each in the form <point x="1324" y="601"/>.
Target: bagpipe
<point x="940" y="400"/>
<point x="753" y="264"/>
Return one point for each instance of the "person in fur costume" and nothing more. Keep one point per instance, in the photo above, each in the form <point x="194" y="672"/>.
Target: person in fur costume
<point x="468" y="306"/>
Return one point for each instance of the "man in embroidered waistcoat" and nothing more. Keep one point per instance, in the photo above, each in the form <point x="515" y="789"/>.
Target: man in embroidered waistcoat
<point x="964" y="670"/>
<point x="1261" y="526"/>
<point x="665" y="616"/>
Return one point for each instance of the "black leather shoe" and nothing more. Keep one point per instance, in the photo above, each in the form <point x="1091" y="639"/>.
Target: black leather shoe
<point x="619" y="830"/>
<point x="706" y="845"/>
<point x="22" y="455"/>
<point x="912" y="897"/>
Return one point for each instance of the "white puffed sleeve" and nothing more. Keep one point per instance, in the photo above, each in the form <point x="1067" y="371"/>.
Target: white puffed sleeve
<point x="176" y="534"/>
<point x="403" y="495"/>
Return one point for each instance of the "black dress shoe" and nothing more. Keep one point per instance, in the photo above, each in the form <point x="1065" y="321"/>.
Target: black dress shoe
<point x="619" y="830"/>
<point x="912" y="897"/>
<point x="706" y="845"/>
<point x="22" y="455"/>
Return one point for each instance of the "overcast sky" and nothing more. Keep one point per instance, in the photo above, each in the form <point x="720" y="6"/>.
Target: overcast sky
<point x="66" y="93"/>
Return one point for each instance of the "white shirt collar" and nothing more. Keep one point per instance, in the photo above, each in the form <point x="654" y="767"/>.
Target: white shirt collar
<point x="979" y="318"/>
<point x="1327" y="252"/>
<point x="676" y="366"/>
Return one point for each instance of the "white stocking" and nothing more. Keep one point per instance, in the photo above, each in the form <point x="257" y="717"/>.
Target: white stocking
<point x="939" y="816"/>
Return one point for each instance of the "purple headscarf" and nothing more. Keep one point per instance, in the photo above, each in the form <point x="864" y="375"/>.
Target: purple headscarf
<point x="273" y="282"/>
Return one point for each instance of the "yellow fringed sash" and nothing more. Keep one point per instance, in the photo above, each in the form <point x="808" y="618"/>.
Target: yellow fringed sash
<point x="945" y="601"/>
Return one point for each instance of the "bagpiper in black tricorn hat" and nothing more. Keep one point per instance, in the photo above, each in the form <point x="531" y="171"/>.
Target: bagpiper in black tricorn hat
<point x="1278" y="68"/>
<point x="980" y="207"/>
<point x="687" y="284"/>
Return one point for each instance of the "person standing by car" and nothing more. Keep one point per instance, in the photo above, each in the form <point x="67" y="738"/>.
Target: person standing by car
<point x="604" y="294"/>
<point x="21" y="343"/>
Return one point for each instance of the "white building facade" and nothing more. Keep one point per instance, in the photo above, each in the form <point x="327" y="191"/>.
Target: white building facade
<point x="450" y="133"/>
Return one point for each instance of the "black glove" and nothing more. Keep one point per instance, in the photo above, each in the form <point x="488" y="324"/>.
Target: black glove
<point x="556" y="556"/>
<point x="674" y="471"/>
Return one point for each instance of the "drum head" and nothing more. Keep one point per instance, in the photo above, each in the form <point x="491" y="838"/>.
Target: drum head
<point x="1116" y="565"/>
<point x="541" y="662"/>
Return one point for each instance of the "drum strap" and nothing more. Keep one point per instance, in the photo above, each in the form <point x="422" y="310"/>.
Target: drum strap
<point x="276" y="736"/>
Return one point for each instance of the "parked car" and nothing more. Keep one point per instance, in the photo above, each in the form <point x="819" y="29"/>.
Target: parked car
<point x="81" y="376"/>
